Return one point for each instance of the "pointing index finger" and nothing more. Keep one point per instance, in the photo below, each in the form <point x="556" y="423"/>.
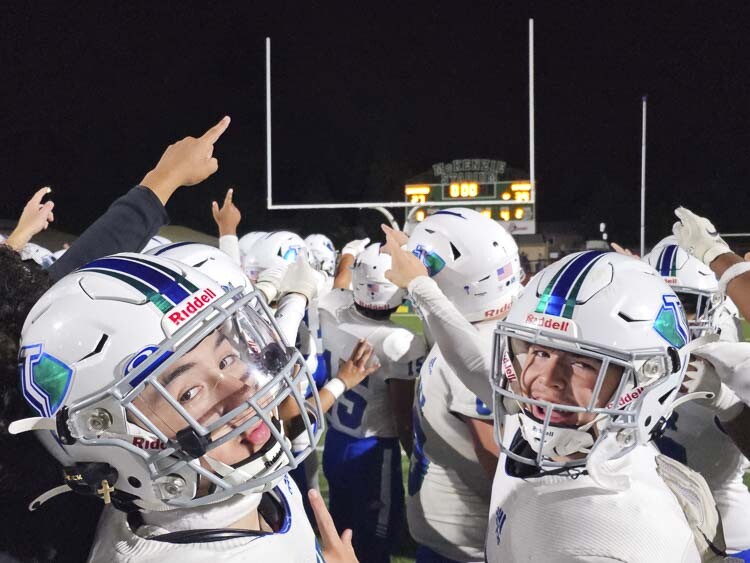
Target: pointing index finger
<point x="39" y="195"/>
<point x="213" y="134"/>
<point x="328" y="534"/>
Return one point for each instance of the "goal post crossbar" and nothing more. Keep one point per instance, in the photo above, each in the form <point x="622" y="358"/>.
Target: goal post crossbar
<point x="392" y="204"/>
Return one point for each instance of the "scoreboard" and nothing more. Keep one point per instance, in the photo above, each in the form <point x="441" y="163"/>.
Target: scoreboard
<point x="495" y="191"/>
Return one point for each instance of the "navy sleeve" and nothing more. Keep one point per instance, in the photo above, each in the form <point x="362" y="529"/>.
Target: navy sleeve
<point x="126" y="226"/>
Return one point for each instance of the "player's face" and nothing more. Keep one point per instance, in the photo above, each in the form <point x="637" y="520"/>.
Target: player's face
<point x="566" y="379"/>
<point x="208" y="382"/>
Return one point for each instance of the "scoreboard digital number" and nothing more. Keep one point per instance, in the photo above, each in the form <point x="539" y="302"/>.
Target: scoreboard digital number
<point x="507" y="201"/>
<point x="468" y="190"/>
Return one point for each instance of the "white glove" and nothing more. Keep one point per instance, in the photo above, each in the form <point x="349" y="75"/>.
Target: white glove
<point x="269" y="280"/>
<point x="354" y="247"/>
<point x="698" y="236"/>
<point x="300" y="278"/>
<point x="731" y="361"/>
<point x="701" y="376"/>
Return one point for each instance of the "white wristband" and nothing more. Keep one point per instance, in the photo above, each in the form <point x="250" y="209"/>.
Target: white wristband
<point x="732" y="272"/>
<point x="335" y="387"/>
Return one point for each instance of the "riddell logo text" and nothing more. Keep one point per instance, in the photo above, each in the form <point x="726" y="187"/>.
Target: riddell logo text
<point x="628" y="398"/>
<point x="145" y="444"/>
<point x="510" y="373"/>
<point x="492" y="313"/>
<point x="672" y="281"/>
<point x="548" y="322"/>
<point x="191" y="306"/>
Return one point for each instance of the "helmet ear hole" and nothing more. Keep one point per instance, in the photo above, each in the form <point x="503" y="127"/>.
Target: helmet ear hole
<point x="455" y="251"/>
<point x="674" y="357"/>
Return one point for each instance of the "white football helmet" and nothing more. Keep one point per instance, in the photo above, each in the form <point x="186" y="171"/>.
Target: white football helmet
<point x="322" y="253"/>
<point x="207" y="259"/>
<point x="371" y="288"/>
<point x="473" y="260"/>
<point x="151" y="378"/>
<point x="154" y="241"/>
<point x="621" y="327"/>
<point x="247" y="241"/>
<point x="277" y="248"/>
<point x="693" y="282"/>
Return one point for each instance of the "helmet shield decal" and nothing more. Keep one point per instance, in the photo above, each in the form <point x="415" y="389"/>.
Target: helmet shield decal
<point x="670" y="322"/>
<point x="44" y="379"/>
<point x="292" y="253"/>
<point x="431" y="260"/>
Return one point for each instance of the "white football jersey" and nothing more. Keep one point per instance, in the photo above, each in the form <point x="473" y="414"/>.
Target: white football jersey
<point x="294" y="542"/>
<point x="564" y="519"/>
<point x="313" y="315"/>
<point x="365" y="410"/>
<point x="448" y="490"/>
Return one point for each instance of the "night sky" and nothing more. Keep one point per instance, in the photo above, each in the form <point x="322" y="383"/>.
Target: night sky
<point x="368" y="94"/>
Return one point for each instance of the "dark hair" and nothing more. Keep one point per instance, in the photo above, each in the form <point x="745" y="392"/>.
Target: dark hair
<point x="63" y="529"/>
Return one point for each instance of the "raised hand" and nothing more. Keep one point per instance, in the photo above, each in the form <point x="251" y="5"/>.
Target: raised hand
<point x="35" y="217"/>
<point x="404" y="265"/>
<point x="355" y="370"/>
<point x="185" y="163"/>
<point x="698" y="236"/>
<point x="400" y="236"/>
<point x="354" y="247"/>
<point x="335" y="549"/>
<point x="622" y="250"/>
<point x="227" y="217"/>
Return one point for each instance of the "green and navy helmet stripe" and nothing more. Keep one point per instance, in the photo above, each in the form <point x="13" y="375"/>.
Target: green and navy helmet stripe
<point x="162" y="286"/>
<point x="168" y="247"/>
<point x="150" y="293"/>
<point x="667" y="263"/>
<point x="559" y="297"/>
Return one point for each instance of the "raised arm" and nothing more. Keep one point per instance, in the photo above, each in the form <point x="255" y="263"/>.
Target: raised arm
<point x="135" y="217"/>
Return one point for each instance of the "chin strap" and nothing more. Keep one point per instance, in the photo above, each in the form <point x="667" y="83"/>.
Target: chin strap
<point x="698" y="342"/>
<point x="698" y="395"/>
<point x="44" y="497"/>
<point x="39" y="423"/>
<point x="34" y="423"/>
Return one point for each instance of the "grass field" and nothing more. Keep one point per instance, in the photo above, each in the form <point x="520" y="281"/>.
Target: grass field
<point x="407" y="546"/>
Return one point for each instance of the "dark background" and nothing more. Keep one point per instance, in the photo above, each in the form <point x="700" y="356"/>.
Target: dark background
<point x="368" y="94"/>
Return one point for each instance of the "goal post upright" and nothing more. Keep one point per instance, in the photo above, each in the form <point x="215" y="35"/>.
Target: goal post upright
<point x="383" y="206"/>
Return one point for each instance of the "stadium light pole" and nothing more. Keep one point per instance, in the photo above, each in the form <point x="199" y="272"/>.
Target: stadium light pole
<point x="643" y="178"/>
<point x="532" y="160"/>
<point x="269" y="200"/>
